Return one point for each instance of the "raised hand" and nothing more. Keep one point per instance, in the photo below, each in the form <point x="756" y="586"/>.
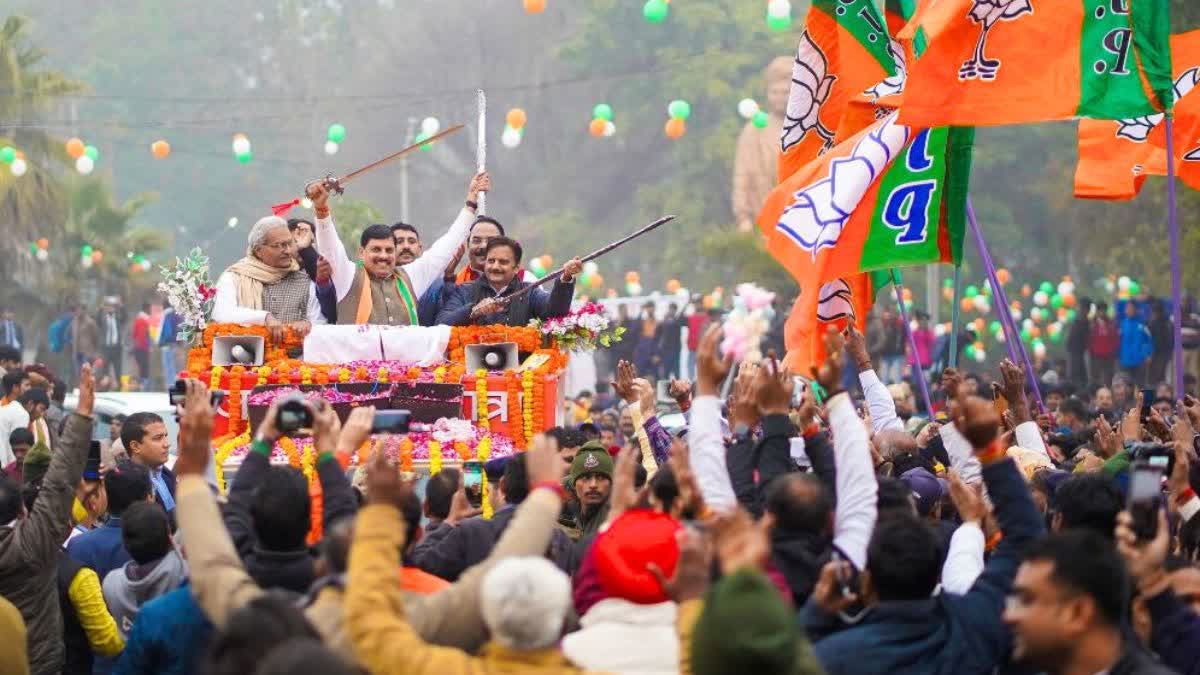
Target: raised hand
<point x="1191" y="407"/>
<point x="326" y="427"/>
<point x="1144" y="559"/>
<point x="711" y="367"/>
<point x="384" y="485"/>
<point x="1178" y="481"/>
<point x="951" y="383"/>
<point x="856" y="344"/>
<point x="829" y="373"/>
<point x="195" y="430"/>
<point x="87" y="391"/>
<point x="977" y="420"/>
<point x="692" y="572"/>
<point x="827" y="593"/>
<point x="356" y="430"/>
<point x="626" y="373"/>
<point x="772" y="391"/>
<point x="1131" y="424"/>
<point x="1108" y="442"/>
<point x="542" y="463"/>
<point x="742" y="542"/>
<point x="744" y="407"/>
<point x="968" y="501"/>
<point x="691" y="500"/>
<point x="481" y="182"/>
<point x="681" y="391"/>
<point x="1014" y="391"/>
<point x="571" y="270"/>
<point x="646" y="396"/>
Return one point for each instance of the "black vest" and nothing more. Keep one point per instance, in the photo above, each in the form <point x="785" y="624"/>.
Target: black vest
<point x="75" y="643"/>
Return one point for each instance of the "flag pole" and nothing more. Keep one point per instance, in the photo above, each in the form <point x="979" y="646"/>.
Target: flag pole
<point x="1006" y="321"/>
<point x="955" y="316"/>
<point x="918" y="374"/>
<point x="1173" y="234"/>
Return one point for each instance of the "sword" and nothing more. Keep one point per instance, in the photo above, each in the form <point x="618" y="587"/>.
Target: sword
<point x="505" y="299"/>
<point x="337" y="185"/>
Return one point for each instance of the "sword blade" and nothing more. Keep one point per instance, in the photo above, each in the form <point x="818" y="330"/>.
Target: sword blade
<point x="397" y="155"/>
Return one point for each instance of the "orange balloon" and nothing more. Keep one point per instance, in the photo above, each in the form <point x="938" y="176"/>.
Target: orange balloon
<point x="97" y="256"/>
<point x="675" y="128"/>
<point x="19" y="154"/>
<point x="1026" y="290"/>
<point x="596" y="128"/>
<point x="1035" y="331"/>
<point x="631" y="277"/>
<point x="1003" y="276"/>
<point x="597" y="281"/>
<point x="516" y="118"/>
<point x="979" y="324"/>
<point x="547" y="261"/>
<point x="967" y="304"/>
<point x="534" y="7"/>
<point x="673" y="286"/>
<point x="1069" y="300"/>
<point x="75" y="148"/>
<point x="160" y="149"/>
<point x="43" y="243"/>
<point x="907" y="294"/>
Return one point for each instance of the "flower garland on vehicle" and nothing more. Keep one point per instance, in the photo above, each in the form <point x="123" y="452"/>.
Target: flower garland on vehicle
<point x="214" y="379"/>
<point x="482" y="419"/>
<point x="233" y="404"/>
<point x="527" y="408"/>
<point x="583" y="330"/>
<point x="406" y="455"/>
<point x="527" y="339"/>
<point x="516" y="430"/>
<point x="225" y="445"/>
<point x="435" y="458"/>
<point x="482" y="452"/>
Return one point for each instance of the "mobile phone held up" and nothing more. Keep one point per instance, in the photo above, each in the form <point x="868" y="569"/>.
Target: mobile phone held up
<point x="177" y="394"/>
<point x="293" y="414"/>
<point x="473" y="482"/>
<point x="91" y="470"/>
<point x="1147" y="403"/>
<point x="1145" y="498"/>
<point x="391" y="422"/>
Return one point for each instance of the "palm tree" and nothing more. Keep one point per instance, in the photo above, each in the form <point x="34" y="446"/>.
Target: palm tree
<point x="28" y="202"/>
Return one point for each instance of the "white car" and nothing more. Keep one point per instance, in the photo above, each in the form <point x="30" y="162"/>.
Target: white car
<point x="109" y="404"/>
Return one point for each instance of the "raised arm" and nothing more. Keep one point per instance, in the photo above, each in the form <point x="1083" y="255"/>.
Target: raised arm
<point x="427" y="269"/>
<point x="329" y="243"/>
<point x="879" y="400"/>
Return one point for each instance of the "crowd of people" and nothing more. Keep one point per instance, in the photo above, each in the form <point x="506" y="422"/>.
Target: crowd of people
<point x="791" y="526"/>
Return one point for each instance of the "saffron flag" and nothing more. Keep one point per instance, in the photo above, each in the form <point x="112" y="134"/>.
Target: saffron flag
<point x="1115" y="156"/>
<point x="889" y="196"/>
<point x="844" y="50"/>
<point x="992" y="62"/>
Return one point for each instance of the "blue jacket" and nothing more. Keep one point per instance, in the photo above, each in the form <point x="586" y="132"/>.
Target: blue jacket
<point x="1136" y="343"/>
<point x="101" y="549"/>
<point x="537" y="304"/>
<point x="431" y="302"/>
<point x="169" y="636"/>
<point x="945" y="634"/>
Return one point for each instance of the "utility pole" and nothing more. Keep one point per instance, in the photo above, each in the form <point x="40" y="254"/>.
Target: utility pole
<point x="408" y="140"/>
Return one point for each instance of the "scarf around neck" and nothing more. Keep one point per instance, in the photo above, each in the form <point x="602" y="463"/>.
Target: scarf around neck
<point x="251" y="274"/>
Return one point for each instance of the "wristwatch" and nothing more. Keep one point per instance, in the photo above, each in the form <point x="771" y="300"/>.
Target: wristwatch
<point x="473" y="205"/>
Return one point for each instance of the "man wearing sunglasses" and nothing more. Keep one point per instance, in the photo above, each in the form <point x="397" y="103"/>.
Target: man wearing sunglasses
<point x="268" y="286"/>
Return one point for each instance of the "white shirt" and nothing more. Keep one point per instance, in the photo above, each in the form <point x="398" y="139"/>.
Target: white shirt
<point x="421" y="272"/>
<point x="12" y="416"/>
<point x="706" y="449"/>
<point x="227" y="310"/>
<point x="964" y="561"/>
<point x="880" y="403"/>
<point x="857" y="489"/>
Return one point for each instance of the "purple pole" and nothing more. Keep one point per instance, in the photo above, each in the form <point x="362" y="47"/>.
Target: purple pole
<point x="918" y="374"/>
<point x="1173" y="234"/>
<point x="1011" y="333"/>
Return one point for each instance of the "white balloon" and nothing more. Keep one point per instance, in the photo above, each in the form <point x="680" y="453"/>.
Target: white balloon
<point x="1123" y="283"/>
<point x="145" y="265"/>
<point x="511" y="138"/>
<point x="305" y="203"/>
<point x="233" y="222"/>
<point x="980" y="356"/>
<point x="430" y="126"/>
<point x="331" y="148"/>
<point x="241" y="145"/>
<point x="981" y="302"/>
<point x="43" y="254"/>
<point x="779" y="8"/>
<point x="609" y="128"/>
<point x="747" y="107"/>
<point x="19" y="167"/>
<point x="1000" y="337"/>
<point x="1016" y="315"/>
<point x="939" y="330"/>
<point x="1066" y="288"/>
<point x="86" y="261"/>
<point x="1040" y="298"/>
<point x="1039" y="350"/>
<point x="1028" y="324"/>
<point x="590" y="267"/>
<point x="84" y="164"/>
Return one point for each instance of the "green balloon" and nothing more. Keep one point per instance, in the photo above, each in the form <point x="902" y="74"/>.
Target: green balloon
<point x="421" y="138"/>
<point x="969" y="352"/>
<point x="1046" y="287"/>
<point x="1025" y="334"/>
<point x="1057" y="337"/>
<point x="947" y="283"/>
<point x="92" y="152"/>
<point x="995" y="327"/>
<point x="1134" y="288"/>
<point x="1070" y="315"/>
<point x="679" y="109"/>
<point x="1056" y="301"/>
<point x="337" y="133"/>
<point x="8" y="154"/>
<point x="760" y="119"/>
<point x="655" y="11"/>
<point x="603" y="111"/>
<point x="971" y="292"/>
<point x="245" y="157"/>
<point x="86" y="250"/>
<point x="779" y="24"/>
<point x="33" y="247"/>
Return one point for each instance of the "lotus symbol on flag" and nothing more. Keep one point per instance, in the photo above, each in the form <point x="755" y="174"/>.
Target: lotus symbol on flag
<point x="1193" y="156"/>
<point x="811" y="84"/>
<point x="1137" y="129"/>
<point x="819" y="211"/>
<point x="835" y="301"/>
<point x="894" y="84"/>
<point x="988" y="12"/>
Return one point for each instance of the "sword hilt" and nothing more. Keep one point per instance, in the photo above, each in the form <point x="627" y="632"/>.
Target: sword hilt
<point x="332" y="185"/>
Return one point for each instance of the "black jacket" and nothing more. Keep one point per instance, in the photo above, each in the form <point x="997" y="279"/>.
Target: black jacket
<point x="290" y="570"/>
<point x="471" y="542"/>
<point x="535" y="304"/>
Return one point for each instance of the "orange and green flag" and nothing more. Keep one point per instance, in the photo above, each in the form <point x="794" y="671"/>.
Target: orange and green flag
<point x="844" y="50"/>
<point x="1115" y="156"/>
<point x="992" y="62"/>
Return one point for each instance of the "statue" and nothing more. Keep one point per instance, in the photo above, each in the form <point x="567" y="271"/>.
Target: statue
<point x="754" y="165"/>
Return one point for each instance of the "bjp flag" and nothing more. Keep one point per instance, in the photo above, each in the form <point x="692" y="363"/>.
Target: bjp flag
<point x="992" y="62"/>
<point x="844" y="50"/>
<point x="1116" y="156"/>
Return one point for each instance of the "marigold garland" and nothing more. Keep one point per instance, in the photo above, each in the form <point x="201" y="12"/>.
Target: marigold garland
<point x="264" y="373"/>
<point x="406" y="452"/>
<point x="527" y="339"/>
<point x="483" y="421"/>
<point x="485" y="492"/>
<point x="316" y="513"/>
<point x="344" y="375"/>
<point x="439" y="374"/>
<point x="214" y="379"/>
<point x="293" y="453"/>
<point x="305" y="375"/>
<point x="515" y="429"/>
<point x="233" y="404"/>
<point x="382" y="375"/>
<point x="435" y="458"/>
<point x="527" y="408"/>
<point x="226" y="445"/>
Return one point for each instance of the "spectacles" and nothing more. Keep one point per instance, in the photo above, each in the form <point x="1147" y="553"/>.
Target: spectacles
<point x="282" y="245"/>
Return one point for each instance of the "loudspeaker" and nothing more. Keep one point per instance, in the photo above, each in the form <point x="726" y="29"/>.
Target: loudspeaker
<point x="232" y="350"/>
<point x="499" y="356"/>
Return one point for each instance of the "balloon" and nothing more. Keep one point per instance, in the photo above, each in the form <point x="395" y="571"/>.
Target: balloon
<point x="86" y="250"/>
<point x="633" y="288"/>
<point x="92" y="152"/>
<point x="1056" y="301"/>
<point x="43" y="243"/>
<point x="97" y="256"/>
<point x="1026" y="290"/>
<point x="1003" y="276"/>
<point x="245" y="157"/>
<point x="337" y="133"/>
<point x="679" y="109"/>
<point x="535" y="6"/>
<point x="779" y="8"/>
<point x="603" y="111"/>
<point x="632" y="277"/>
<point x="43" y="254"/>
<point x="84" y="164"/>
<point x="980" y="356"/>
<point x="971" y="291"/>
<point x="948" y="283"/>
<point x="430" y="126"/>
<point x="966" y="304"/>
<point x="760" y="119"/>
<point x="145" y="265"/>
<point x="1069" y="300"/>
<point x="160" y="149"/>
<point x="1123" y="283"/>
<point x="747" y="107"/>
<point x="18" y="167"/>
<point x="939" y="330"/>
<point x="1134" y="288"/>
<point x="609" y="128"/>
<point x="511" y="138"/>
<point x="656" y="11"/>
<point x="995" y="327"/>
<point x="1046" y="288"/>
<point x="673" y="286"/>
<point x="1041" y="298"/>
<point x="590" y="267"/>
<point x="979" y="324"/>
<point x="241" y="145"/>
<point x="86" y="262"/>
<point x="907" y="294"/>
<point x="516" y="118"/>
<point x="8" y="154"/>
<point x="597" y="281"/>
<point x="779" y="24"/>
<point x="331" y="147"/>
<point x="535" y="266"/>
<point x="982" y="305"/>
<point x="547" y="261"/>
<point x="675" y="128"/>
<point x="596" y="128"/>
<point x="948" y="293"/>
<point x="969" y="351"/>
<point x="233" y="222"/>
<point x="75" y="148"/>
<point x="1066" y="288"/>
<point x="305" y="203"/>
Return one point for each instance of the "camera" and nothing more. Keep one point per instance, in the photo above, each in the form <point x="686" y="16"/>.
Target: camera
<point x="391" y="422"/>
<point x="177" y="394"/>
<point x="1154" y="454"/>
<point x="293" y="414"/>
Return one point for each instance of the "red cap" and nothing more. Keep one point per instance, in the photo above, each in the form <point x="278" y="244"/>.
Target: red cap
<point x="623" y="552"/>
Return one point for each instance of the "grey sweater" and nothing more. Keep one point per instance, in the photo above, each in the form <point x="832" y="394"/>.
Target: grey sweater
<point x="127" y="588"/>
